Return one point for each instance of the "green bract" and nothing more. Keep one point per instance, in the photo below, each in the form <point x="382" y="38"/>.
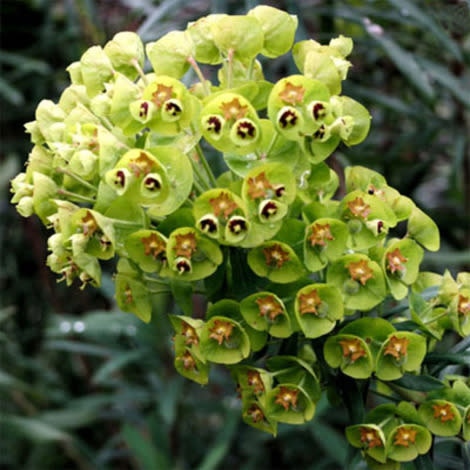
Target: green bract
<point x="304" y="283"/>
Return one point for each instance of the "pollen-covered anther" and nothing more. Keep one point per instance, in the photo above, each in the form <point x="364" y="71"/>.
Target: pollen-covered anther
<point x="321" y="234"/>
<point x="233" y="110"/>
<point x="244" y="132"/>
<point x="359" y="208"/>
<point x="268" y="209"/>
<point x="287" y="398"/>
<point x="221" y="331"/>
<point x="360" y="271"/>
<point x="443" y="412"/>
<point x="237" y="225"/>
<point x="404" y="436"/>
<point x="275" y="255"/>
<point x="255" y="413"/>
<point x="152" y="183"/>
<point x="209" y="224"/>
<point x="190" y="334"/>
<point x="153" y="245"/>
<point x="352" y="349"/>
<point x="397" y="347"/>
<point x="269" y="307"/>
<point x="187" y="359"/>
<point x="288" y="117"/>
<point x="183" y="265"/>
<point x="292" y="94"/>
<point x="214" y="125"/>
<point x="396" y="261"/>
<point x="463" y="307"/>
<point x="223" y="205"/>
<point x="255" y="381"/>
<point x="162" y="94"/>
<point x="258" y="186"/>
<point x="370" y="437"/>
<point x="89" y="224"/>
<point x="185" y="245"/>
<point x="309" y="303"/>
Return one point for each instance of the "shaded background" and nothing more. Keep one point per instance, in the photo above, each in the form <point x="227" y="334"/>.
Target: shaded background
<point x="83" y="386"/>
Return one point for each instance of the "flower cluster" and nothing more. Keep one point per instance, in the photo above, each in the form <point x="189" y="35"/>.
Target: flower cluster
<point x="118" y="172"/>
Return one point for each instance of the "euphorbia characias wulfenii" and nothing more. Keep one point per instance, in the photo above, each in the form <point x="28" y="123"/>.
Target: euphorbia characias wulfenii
<point x="307" y="286"/>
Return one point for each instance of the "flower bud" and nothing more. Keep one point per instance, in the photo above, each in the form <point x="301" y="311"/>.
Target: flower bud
<point x="84" y="163"/>
<point x="96" y="70"/>
<point x="236" y="229"/>
<point x="119" y="179"/>
<point x="354" y="226"/>
<point x="122" y="50"/>
<point x="101" y="105"/>
<point x="351" y="287"/>
<point x="214" y="124"/>
<point x="75" y="73"/>
<point x="342" y="44"/>
<point x="244" y="132"/>
<point x="342" y="66"/>
<point x="209" y="225"/>
<point x="151" y="185"/>
<point x="25" y="206"/>
<point x="342" y="126"/>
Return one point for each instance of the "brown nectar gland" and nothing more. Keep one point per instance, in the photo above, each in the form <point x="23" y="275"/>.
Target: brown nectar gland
<point x="287" y="397"/>
<point x="397" y="347"/>
<point x="275" y="255"/>
<point x="321" y="234"/>
<point x="370" y="437"/>
<point x="443" y="412"/>
<point x="258" y="186"/>
<point x="153" y="245"/>
<point x="270" y="307"/>
<point x="352" y="349"/>
<point x="185" y="245"/>
<point x="396" y="261"/>
<point x="255" y="413"/>
<point x="404" y="436"/>
<point x="188" y="361"/>
<point x="292" y="94"/>
<point x="221" y="330"/>
<point x="233" y="110"/>
<point x="161" y="94"/>
<point x="359" y="208"/>
<point x="142" y="165"/>
<point x="89" y="224"/>
<point x="223" y="204"/>
<point x="255" y="381"/>
<point x="360" y="271"/>
<point x="308" y="303"/>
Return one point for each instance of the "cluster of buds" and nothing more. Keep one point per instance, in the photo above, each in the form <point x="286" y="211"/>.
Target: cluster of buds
<point x="118" y="172"/>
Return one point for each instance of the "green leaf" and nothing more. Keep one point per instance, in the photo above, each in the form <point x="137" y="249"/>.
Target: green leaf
<point x="103" y="373"/>
<point x="424" y="383"/>
<point x="33" y="429"/>
<point x="424" y="230"/>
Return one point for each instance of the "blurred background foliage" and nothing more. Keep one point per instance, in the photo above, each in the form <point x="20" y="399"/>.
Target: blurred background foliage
<point x="84" y="386"/>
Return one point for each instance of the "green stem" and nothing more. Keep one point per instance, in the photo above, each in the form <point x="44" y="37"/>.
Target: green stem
<point x="156" y="281"/>
<point x="198" y="71"/>
<point x="77" y="178"/>
<point x="206" y="166"/>
<point x="385" y="421"/>
<point x="197" y="172"/>
<point x="230" y="68"/>
<point x="64" y="192"/>
<point x="159" y="291"/>
<point x="136" y="65"/>
<point x="271" y="144"/>
<point x="250" y="69"/>
<point x="282" y="371"/>
<point x="432" y="320"/>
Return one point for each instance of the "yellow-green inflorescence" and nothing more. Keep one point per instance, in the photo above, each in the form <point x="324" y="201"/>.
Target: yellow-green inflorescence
<point x="127" y="166"/>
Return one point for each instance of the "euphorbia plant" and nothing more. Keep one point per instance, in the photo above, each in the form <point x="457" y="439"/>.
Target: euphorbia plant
<point x="306" y="286"/>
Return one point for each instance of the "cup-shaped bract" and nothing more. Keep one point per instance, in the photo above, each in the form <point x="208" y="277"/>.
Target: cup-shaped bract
<point x="441" y="417"/>
<point x="188" y="363"/>
<point x="402" y="352"/>
<point x="133" y="296"/>
<point x="205" y="50"/>
<point x="148" y="249"/>
<point x="351" y="354"/>
<point x="265" y="311"/>
<point x="317" y="308"/>
<point x="254" y="414"/>
<point x="126" y="53"/>
<point x="192" y="256"/>
<point x="325" y="240"/>
<point x="360" y="280"/>
<point x="370" y="438"/>
<point x="408" y="441"/>
<point x="224" y="341"/>
<point x="277" y="261"/>
<point x="290" y="403"/>
<point x="96" y="69"/>
<point x="253" y="383"/>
